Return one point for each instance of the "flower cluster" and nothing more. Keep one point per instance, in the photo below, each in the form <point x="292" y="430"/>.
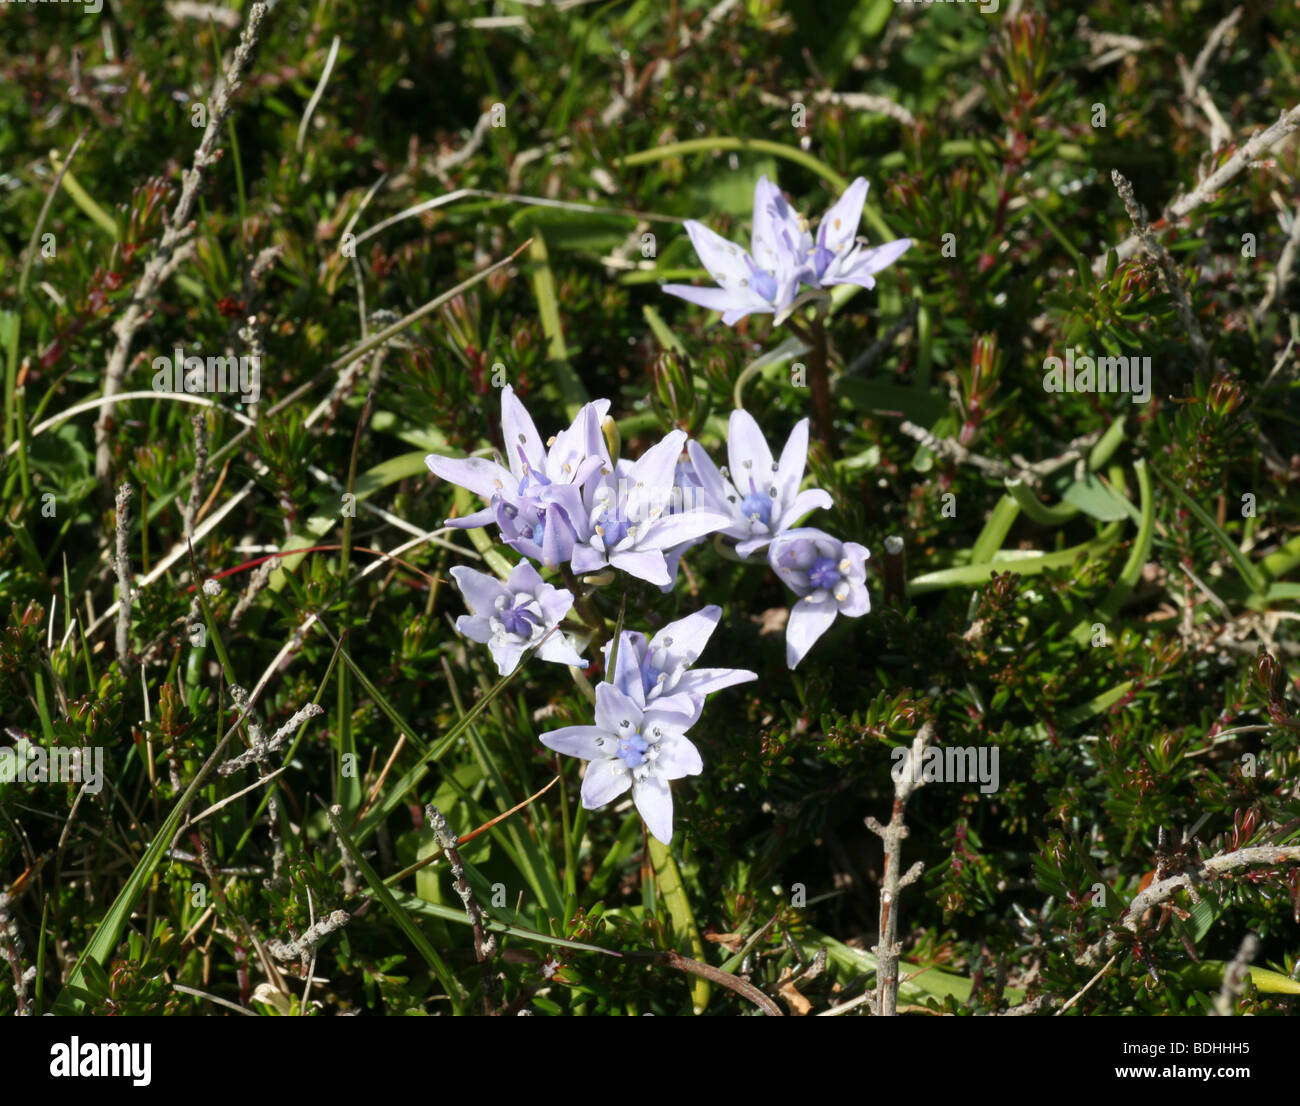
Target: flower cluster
<point x="571" y="506"/>
<point x="647" y="702"/>
<point x="783" y="255"/>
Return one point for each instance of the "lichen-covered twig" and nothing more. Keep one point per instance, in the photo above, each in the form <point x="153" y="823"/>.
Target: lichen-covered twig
<point x="11" y="949"/>
<point x="1168" y="267"/>
<point x="174" y="236"/>
<point x="887" y="951"/>
<point x="1281" y="276"/>
<point x="1246" y="156"/>
<point x="299" y="949"/>
<point x="1192" y="77"/>
<point x="1234" y="976"/>
<point x="263" y="747"/>
<point x="200" y="425"/>
<point x="258" y="754"/>
<point x="1162" y="890"/>
<point x="485" y="944"/>
<point x="122" y="564"/>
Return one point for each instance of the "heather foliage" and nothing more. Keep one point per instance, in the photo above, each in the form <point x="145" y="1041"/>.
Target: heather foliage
<point x="529" y="507"/>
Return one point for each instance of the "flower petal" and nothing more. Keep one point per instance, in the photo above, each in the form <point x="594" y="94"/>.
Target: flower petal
<point x="627" y="666"/>
<point x="576" y="445"/>
<point x="732" y="317"/>
<point x="507" y="654"/>
<point x="748" y="453"/>
<point x="478" y="474"/>
<point x="794" y="457"/>
<point x="645" y="565"/>
<point x="715" y="489"/>
<point x="808" y="621"/>
<point x="656" y="468"/>
<point x="776" y="236"/>
<point x="669" y="530"/>
<point x="858" y="267"/>
<point x="675" y="712"/>
<point x="523" y="577"/>
<point x="587" y="559"/>
<point x="484" y="517"/>
<point x="614" y="707"/>
<point x="839" y="226"/>
<point x="518" y="431"/>
<point x="802" y="504"/>
<point x="475" y="628"/>
<point x="654" y="800"/>
<point x="705" y="681"/>
<point x="479" y="590"/>
<point x="686" y="638"/>
<point x="725" y="261"/>
<point x="604" y="782"/>
<point x="559" y="649"/>
<point x="576" y="741"/>
<point x="715" y="299"/>
<point x="678" y="757"/>
<point x="859" y="601"/>
<point x="555" y="603"/>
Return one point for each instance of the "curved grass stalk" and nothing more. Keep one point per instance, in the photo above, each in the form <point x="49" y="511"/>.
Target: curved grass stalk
<point x="1030" y="564"/>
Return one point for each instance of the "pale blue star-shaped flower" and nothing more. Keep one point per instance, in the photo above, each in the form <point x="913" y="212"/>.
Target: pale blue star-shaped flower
<point x="629" y="516"/>
<point x="837" y="256"/>
<point x="637" y="745"/>
<point x="760" y="280"/>
<point x="829" y="575"/>
<point x="662" y="665"/>
<point x="784" y="254"/>
<point x="528" y="500"/>
<point x="761" y="496"/>
<point x="510" y="618"/>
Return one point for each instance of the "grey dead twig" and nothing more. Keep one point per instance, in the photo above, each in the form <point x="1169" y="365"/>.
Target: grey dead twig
<point x="174" y="245"/>
<point x="485" y="944"/>
<point x="1280" y="277"/>
<point x="1245" y="157"/>
<point x="122" y="565"/>
<point x="1192" y="77"/>
<point x="200" y="426"/>
<point x="1168" y="267"/>
<point x="1032" y="473"/>
<point x="11" y="950"/>
<point x="301" y="947"/>
<point x="888" y="950"/>
<point x="1160" y="891"/>
<point x="1235" y="976"/>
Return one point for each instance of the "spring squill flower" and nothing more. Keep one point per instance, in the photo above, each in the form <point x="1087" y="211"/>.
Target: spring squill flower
<point x="662" y="665"/>
<point x="837" y="257"/>
<point x="761" y="496"/>
<point x="829" y="575"/>
<point x="634" y="745"/>
<point x="511" y="617"/>
<point x="631" y="517"/>
<point x="760" y="280"/>
<point x="527" y="500"/>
